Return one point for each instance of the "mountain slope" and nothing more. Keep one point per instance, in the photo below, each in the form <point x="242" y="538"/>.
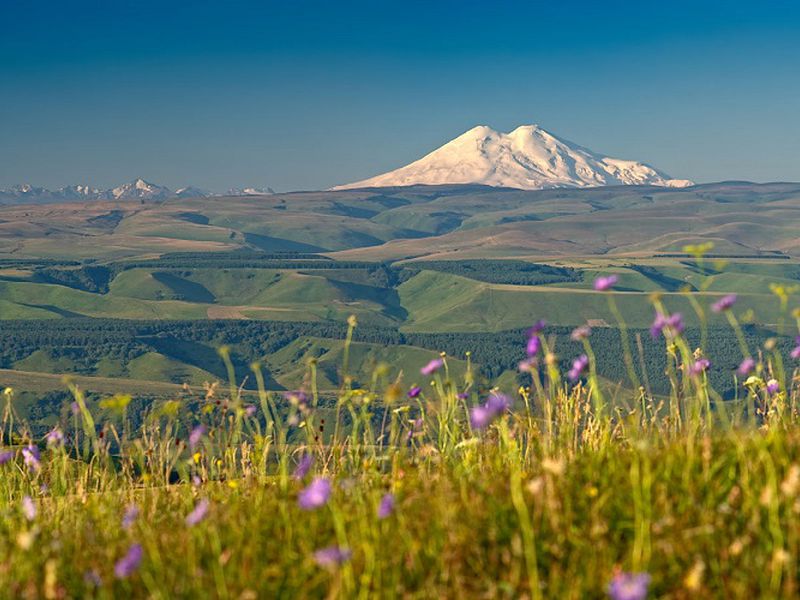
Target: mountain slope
<point x="528" y="158"/>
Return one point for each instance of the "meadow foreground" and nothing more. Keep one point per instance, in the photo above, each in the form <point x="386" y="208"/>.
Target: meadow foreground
<point x="439" y="489"/>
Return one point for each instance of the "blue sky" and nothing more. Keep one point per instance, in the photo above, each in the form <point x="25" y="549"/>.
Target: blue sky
<point x="304" y="95"/>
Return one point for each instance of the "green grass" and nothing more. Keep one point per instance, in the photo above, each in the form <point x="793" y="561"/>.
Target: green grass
<point x="549" y="499"/>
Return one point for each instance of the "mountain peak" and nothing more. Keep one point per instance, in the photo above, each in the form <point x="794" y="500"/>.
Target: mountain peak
<point x="529" y="157"/>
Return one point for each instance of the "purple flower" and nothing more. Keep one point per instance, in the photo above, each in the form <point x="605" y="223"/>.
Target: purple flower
<point x="250" y="410"/>
<point x="701" y="365"/>
<point x="130" y="516"/>
<point x="580" y="333"/>
<point x="93" y="578"/>
<point x="480" y="417"/>
<point x="75" y="408"/>
<point x="536" y="327"/>
<point x="578" y="367"/>
<point x="55" y="437"/>
<point x="795" y="353"/>
<point x="316" y="494"/>
<point x="629" y="586"/>
<point x="670" y="326"/>
<point x="297" y="398"/>
<point x="724" y="303"/>
<point x="6" y="456"/>
<point x="773" y="387"/>
<point x="198" y="513"/>
<point x="332" y="556"/>
<point x="128" y="564"/>
<point x="432" y="366"/>
<point x="528" y="365"/>
<point x="303" y="466"/>
<point x="386" y="506"/>
<point x="414" y="392"/>
<point x="534" y="345"/>
<point x="31" y="455"/>
<point x="196" y="436"/>
<point x="746" y="367"/>
<point x="603" y="284"/>
<point x="28" y="508"/>
<point x="462" y="395"/>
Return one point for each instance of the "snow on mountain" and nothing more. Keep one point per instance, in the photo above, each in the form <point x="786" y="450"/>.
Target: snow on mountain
<point x="249" y="191"/>
<point x="138" y="189"/>
<point x="191" y="192"/>
<point x="528" y="158"/>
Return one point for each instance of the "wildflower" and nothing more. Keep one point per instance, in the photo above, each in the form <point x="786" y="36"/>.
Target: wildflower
<point x="6" y="456"/>
<point x="432" y="366"/>
<point x="130" y="516"/>
<point x="128" y="564"/>
<point x="75" y="408"/>
<point x="31" y="455"/>
<point x="414" y="392"/>
<point x="701" y="365"/>
<point x="795" y="353"/>
<point x="316" y="494"/>
<point x="580" y="333"/>
<point x="462" y="395"/>
<point x="198" y="513"/>
<point x="303" y="466"/>
<point x="723" y="304"/>
<point x="93" y="578"/>
<point x="481" y="416"/>
<point x="332" y="556"/>
<point x="250" y="411"/>
<point x="773" y="387"/>
<point x="578" y="367"/>
<point x="603" y="284"/>
<point x="746" y="367"/>
<point x="28" y="508"/>
<point x="528" y="366"/>
<point x="670" y="326"/>
<point x="629" y="586"/>
<point x="298" y="399"/>
<point x="537" y="327"/>
<point x="534" y="345"/>
<point x="196" y="436"/>
<point x="386" y="506"/>
<point x="55" y="437"/>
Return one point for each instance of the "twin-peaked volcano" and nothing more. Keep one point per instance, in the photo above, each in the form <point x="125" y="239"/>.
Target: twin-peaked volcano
<point x="528" y="158"/>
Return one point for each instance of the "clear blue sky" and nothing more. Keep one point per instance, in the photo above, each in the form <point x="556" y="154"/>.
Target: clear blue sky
<point x="304" y="95"/>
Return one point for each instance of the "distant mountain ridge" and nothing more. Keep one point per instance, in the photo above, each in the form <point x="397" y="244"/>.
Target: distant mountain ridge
<point x="138" y="189"/>
<point x="528" y="158"/>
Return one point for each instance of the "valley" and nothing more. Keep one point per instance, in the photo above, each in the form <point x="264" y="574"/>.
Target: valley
<point x="418" y="267"/>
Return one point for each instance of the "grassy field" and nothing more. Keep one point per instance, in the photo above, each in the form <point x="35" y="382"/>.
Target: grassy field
<point x="420" y="486"/>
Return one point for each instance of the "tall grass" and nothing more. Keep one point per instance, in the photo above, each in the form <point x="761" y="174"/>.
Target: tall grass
<point x="429" y="491"/>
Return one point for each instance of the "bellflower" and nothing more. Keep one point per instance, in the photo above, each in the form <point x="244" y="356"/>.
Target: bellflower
<point x="629" y="586"/>
<point x="603" y="284"/>
<point x="316" y="494"/>
<point x="432" y="366"/>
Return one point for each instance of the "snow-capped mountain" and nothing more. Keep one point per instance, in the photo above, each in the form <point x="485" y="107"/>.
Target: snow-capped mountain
<point x="138" y="189"/>
<point x="191" y="192"/>
<point x="249" y="191"/>
<point x="528" y="158"/>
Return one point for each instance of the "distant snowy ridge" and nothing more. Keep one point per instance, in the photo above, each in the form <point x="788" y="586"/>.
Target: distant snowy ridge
<point x="527" y="158"/>
<point x="138" y="189"/>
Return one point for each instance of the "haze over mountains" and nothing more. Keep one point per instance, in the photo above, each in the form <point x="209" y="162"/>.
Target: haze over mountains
<point x="138" y="189"/>
<point x="528" y="158"/>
